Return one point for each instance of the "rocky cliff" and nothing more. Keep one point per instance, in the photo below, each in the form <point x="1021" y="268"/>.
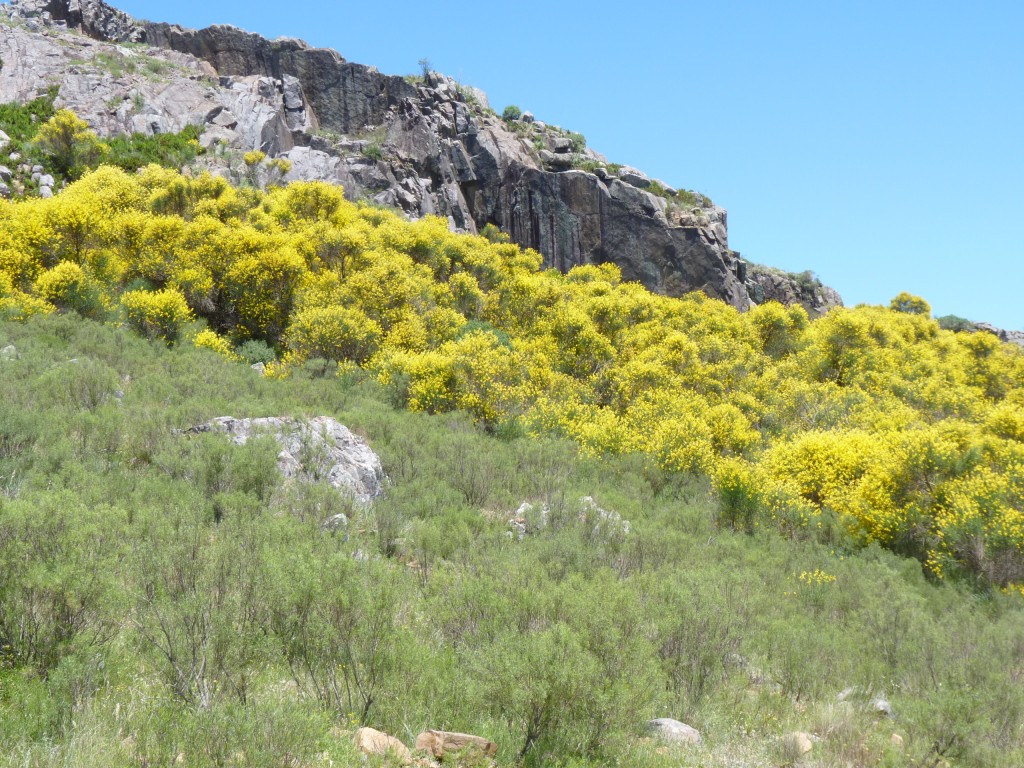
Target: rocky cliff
<point x="426" y="145"/>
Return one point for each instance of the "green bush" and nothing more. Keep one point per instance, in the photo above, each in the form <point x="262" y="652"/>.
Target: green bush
<point x="511" y="113"/>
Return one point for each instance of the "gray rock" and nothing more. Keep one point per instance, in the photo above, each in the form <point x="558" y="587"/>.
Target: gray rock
<point x="670" y="730"/>
<point x="260" y="368"/>
<point x="5" y="191"/>
<point x="767" y="284"/>
<point x="36" y="169"/>
<point x="4" y="140"/>
<point x="9" y="353"/>
<point x="5" y="173"/>
<point x="46" y="192"/>
<point x="555" y="161"/>
<point x="527" y="117"/>
<point x="36" y="176"/>
<point x="46" y="180"/>
<point x="634" y="178"/>
<point x="317" y="449"/>
<point x="14" y="157"/>
<point x="561" y="145"/>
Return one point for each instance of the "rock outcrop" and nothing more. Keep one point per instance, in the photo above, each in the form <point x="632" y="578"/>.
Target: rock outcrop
<point x="1011" y="337"/>
<point x="425" y="145"/>
<point x="768" y="284"/>
<point x="312" y="450"/>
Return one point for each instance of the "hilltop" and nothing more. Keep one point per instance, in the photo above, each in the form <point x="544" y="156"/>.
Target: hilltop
<point x="425" y="144"/>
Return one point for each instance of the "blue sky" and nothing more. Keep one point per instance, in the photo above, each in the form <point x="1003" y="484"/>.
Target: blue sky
<point x="878" y="144"/>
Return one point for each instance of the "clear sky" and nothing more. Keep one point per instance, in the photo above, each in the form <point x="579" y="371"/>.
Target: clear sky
<point x="878" y="144"/>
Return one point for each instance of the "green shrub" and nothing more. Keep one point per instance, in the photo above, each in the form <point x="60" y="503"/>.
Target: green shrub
<point x="955" y="323"/>
<point x="511" y="113"/>
<point x="256" y="351"/>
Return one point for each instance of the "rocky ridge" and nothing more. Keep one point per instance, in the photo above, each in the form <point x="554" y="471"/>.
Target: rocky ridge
<point x="425" y="145"/>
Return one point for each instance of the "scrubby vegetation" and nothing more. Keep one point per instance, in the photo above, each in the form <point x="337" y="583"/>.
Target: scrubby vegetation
<point x="871" y="424"/>
<point x="165" y="599"/>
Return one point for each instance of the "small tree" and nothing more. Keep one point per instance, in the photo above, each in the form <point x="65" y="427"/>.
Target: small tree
<point x="511" y="113"/>
<point x="910" y="304"/>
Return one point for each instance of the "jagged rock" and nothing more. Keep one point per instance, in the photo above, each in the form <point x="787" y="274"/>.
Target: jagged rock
<point x="373" y="742"/>
<point x="667" y="729"/>
<point x="797" y="743"/>
<point x="313" y="449"/>
<point x="438" y="743"/>
<point x="94" y="18"/>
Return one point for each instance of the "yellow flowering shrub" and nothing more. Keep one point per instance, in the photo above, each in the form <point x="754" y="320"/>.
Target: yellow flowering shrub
<point x="157" y="314"/>
<point x="207" y="339"/>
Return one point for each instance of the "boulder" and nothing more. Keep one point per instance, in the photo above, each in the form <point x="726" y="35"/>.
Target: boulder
<point x="46" y="192"/>
<point x="561" y="145"/>
<point x="373" y="742"/>
<point x="5" y="173"/>
<point x="634" y="178"/>
<point x="667" y="729"/>
<point x="554" y="160"/>
<point x="440" y="743"/>
<point x="317" y="449"/>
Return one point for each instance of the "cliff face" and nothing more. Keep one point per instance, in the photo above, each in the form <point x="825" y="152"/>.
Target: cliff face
<point x="424" y="145"/>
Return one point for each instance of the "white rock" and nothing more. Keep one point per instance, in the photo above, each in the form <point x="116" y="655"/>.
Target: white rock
<point x="313" y="449"/>
<point x="672" y="730"/>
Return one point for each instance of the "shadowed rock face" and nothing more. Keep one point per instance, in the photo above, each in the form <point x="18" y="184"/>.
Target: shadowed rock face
<point x="427" y="147"/>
